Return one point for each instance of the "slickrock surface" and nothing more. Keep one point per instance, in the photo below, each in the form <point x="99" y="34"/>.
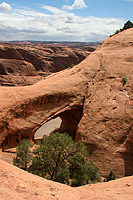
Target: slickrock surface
<point x="16" y="184"/>
<point x="91" y="99"/>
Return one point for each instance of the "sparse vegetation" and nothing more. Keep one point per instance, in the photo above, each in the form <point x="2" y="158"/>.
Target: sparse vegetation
<point x="124" y="79"/>
<point x="23" y="154"/>
<point x="71" y="66"/>
<point x="60" y="159"/>
<point x="111" y="176"/>
<point x="127" y="25"/>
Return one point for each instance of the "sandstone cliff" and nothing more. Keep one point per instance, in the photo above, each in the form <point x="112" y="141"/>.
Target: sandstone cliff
<point x="93" y="99"/>
<point x="18" y="184"/>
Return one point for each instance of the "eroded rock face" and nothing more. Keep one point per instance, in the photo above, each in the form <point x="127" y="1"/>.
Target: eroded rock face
<point x="17" y="72"/>
<point x="97" y="86"/>
<point x="106" y="125"/>
<point x="53" y="58"/>
<point x="10" y="53"/>
<point x="41" y="60"/>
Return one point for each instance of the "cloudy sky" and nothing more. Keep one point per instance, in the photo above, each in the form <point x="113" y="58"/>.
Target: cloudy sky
<point x="62" y="20"/>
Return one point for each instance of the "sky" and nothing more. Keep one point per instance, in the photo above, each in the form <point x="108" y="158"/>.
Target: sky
<point x="62" y="20"/>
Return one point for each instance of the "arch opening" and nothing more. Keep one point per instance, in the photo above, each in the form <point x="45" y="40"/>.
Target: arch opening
<point x="65" y="122"/>
<point x="48" y="127"/>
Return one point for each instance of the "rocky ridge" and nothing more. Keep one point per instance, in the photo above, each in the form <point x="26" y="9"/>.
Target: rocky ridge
<point x="92" y="99"/>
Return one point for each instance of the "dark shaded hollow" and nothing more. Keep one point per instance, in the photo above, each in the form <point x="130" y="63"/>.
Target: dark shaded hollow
<point x="128" y="161"/>
<point x="70" y="120"/>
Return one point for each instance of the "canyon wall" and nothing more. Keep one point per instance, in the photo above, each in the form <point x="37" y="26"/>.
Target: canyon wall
<point x="26" y="64"/>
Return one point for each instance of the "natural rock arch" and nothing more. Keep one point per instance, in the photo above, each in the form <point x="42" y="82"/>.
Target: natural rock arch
<point x="94" y="90"/>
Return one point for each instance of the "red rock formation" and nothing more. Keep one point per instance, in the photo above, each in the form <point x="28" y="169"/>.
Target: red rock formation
<point x="17" y="72"/>
<point x="50" y="58"/>
<point x="10" y="53"/>
<point x="44" y="58"/>
<point x="94" y="89"/>
<point x="18" y="184"/>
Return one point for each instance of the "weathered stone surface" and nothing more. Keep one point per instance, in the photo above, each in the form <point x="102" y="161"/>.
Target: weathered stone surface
<point x="41" y="61"/>
<point x="17" y="72"/>
<point x="95" y="91"/>
<point x="50" y="58"/>
<point x="18" y="184"/>
<point x="10" y="53"/>
<point x="106" y="125"/>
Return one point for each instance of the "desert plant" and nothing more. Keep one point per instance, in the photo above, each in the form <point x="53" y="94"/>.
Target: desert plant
<point x="127" y="25"/>
<point x="71" y="66"/>
<point x="23" y="154"/>
<point x="60" y="159"/>
<point x="124" y="79"/>
<point x="111" y="176"/>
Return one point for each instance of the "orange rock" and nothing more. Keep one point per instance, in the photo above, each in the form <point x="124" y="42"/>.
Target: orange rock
<point x="18" y="184"/>
<point x="88" y="98"/>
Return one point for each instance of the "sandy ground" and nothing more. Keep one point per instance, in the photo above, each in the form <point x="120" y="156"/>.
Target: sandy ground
<point x="8" y="155"/>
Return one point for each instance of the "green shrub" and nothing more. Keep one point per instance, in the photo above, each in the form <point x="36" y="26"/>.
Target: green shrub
<point x="71" y="66"/>
<point x="23" y="154"/>
<point x="111" y="176"/>
<point x="127" y="25"/>
<point x="124" y="79"/>
<point x="58" y="158"/>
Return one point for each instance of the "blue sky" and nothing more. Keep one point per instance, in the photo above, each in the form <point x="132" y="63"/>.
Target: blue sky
<point x="62" y="20"/>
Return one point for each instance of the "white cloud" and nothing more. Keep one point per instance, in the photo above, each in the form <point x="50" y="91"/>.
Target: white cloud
<point x="51" y="9"/>
<point x="5" y="7"/>
<point x="59" y="25"/>
<point x="78" y="4"/>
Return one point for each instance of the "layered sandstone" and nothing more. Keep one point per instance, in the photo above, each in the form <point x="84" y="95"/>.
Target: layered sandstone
<point x="48" y="58"/>
<point x="26" y="63"/>
<point x="92" y="99"/>
<point x="17" y="72"/>
<point x="18" y="184"/>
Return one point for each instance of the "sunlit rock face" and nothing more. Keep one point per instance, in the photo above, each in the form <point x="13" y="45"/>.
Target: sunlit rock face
<point x="28" y="186"/>
<point x="92" y="99"/>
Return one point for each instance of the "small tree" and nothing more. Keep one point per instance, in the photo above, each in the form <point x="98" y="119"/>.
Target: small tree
<point x="124" y="80"/>
<point x="111" y="176"/>
<point x="60" y="159"/>
<point x="23" y="154"/>
<point x="127" y="25"/>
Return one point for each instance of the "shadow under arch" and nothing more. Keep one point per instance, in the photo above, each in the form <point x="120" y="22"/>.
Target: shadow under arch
<point x="69" y="120"/>
<point x="65" y="122"/>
